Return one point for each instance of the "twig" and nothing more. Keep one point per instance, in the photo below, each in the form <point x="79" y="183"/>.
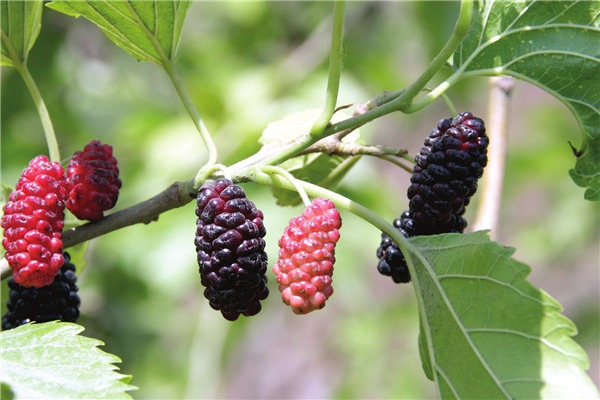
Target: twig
<point x="176" y="195"/>
<point x="500" y="90"/>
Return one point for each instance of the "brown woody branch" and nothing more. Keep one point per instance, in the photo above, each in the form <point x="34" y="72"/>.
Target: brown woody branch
<point x="176" y="195"/>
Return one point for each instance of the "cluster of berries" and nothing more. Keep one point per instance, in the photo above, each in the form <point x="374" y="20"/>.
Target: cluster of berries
<point x="443" y="181"/>
<point x="232" y="259"/>
<point x="230" y="231"/>
<point x="33" y="220"/>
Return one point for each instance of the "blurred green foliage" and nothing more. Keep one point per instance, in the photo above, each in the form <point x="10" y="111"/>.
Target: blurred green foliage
<point x="246" y="64"/>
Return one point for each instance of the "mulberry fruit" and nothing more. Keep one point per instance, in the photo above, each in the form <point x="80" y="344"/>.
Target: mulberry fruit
<point x="57" y="301"/>
<point x="307" y="255"/>
<point x="33" y="221"/>
<point x="443" y="181"/>
<point x="231" y="249"/>
<point x="93" y="181"/>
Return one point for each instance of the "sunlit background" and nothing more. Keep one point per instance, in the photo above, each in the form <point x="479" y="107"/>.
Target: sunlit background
<point x="245" y="65"/>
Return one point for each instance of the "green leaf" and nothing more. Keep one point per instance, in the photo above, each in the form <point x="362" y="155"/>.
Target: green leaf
<point x="51" y="361"/>
<point x="321" y="169"/>
<point x="20" y="24"/>
<point x="148" y="30"/>
<point x="486" y="331"/>
<point x="553" y="45"/>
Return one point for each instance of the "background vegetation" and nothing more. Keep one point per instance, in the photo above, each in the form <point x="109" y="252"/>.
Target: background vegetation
<point x="245" y="65"/>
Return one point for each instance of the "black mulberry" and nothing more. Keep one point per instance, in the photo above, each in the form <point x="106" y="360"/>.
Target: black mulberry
<point x="57" y="301"/>
<point x="443" y="181"/>
<point x="231" y="249"/>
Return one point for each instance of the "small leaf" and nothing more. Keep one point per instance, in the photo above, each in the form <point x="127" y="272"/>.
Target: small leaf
<point x="319" y="168"/>
<point x="487" y="332"/>
<point x="148" y="30"/>
<point x="551" y="44"/>
<point x="21" y="22"/>
<point x="52" y="361"/>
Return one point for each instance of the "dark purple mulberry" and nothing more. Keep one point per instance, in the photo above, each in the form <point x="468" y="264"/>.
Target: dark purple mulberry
<point x="443" y="181"/>
<point x="57" y="301"/>
<point x="231" y="249"/>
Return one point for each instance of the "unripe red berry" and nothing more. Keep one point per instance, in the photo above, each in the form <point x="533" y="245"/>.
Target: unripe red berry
<point x="33" y="221"/>
<point x="306" y="257"/>
<point x="93" y="181"/>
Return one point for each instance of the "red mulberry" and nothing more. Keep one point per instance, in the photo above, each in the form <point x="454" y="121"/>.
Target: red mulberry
<point x="93" y="179"/>
<point x="33" y="221"/>
<point x="230" y="245"/>
<point x="307" y="255"/>
<point x="443" y="181"/>
<point x="57" y="301"/>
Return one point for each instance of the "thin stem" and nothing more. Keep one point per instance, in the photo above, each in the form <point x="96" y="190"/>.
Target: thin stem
<point x="210" y="170"/>
<point x="434" y="94"/>
<point x="189" y="107"/>
<point x="461" y="29"/>
<point x="500" y="90"/>
<point x="280" y="171"/>
<point x="167" y="65"/>
<point x="335" y="67"/>
<point x="394" y="160"/>
<point x="342" y="202"/>
<point x="40" y="106"/>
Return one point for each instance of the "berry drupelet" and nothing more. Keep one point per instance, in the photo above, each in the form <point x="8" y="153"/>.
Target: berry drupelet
<point x="444" y="179"/>
<point x="307" y="255"/>
<point x="57" y="301"/>
<point x="33" y="221"/>
<point x="231" y="249"/>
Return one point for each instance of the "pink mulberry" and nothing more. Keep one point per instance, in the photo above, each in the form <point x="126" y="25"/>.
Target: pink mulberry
<point x="306" y="257"/>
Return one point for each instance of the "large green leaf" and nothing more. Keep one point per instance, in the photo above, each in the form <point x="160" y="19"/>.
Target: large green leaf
<point x="486" y="332"/>
<point x="554" y="45"/>
<point x="51" y="361"/>
<point x="21" y="23"/>
<point x="322" y="169"/>
<point x="148" y="30"/>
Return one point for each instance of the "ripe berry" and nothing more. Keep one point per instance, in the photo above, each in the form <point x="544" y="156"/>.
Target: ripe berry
<point x="230" y="245"/>
<point x="93" y="178"/>
<point x="33" y="221"/>
<point x="306" y="257"/>
<point x="57" y="301"/>
<point x="443" y="181"/>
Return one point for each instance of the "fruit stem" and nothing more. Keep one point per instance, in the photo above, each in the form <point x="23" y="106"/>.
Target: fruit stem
<point x="269" y="169"/>
<point x="461" y="29"/>
<point x="335" y="67"/>
<point x="257" y="176"/>
<point x="191" y="110"/>
<point x="210" y="170"/>
<point x="40" y="106"/>
<point x="394" y="160"/>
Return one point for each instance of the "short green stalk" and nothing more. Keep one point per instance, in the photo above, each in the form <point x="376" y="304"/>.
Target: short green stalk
<point x="257" y="176"/>
<point x="268" y="169"/>
<point x="42" y="110"/>
<point x="402" y="100"/>
<point x="461" y="29"/>
<point x="335" y="67"/>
